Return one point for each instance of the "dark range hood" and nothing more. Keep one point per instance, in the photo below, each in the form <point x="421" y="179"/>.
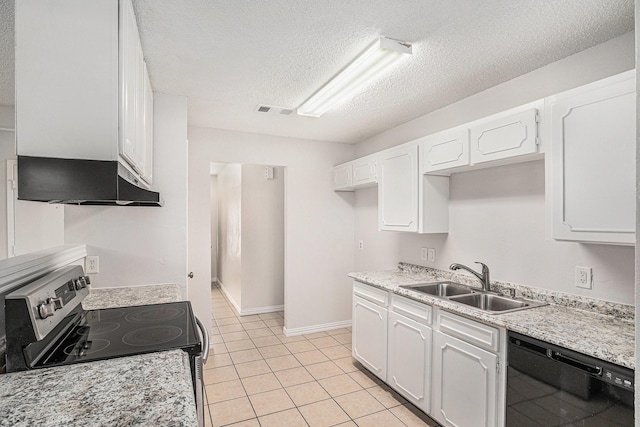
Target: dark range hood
<point x="80" y="182"/>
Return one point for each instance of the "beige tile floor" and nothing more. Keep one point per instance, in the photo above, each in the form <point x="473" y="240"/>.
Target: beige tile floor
<point x="255" y="376"/>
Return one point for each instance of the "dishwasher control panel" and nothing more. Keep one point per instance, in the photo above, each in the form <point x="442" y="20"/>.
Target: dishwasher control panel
<point x="618" y="379"/>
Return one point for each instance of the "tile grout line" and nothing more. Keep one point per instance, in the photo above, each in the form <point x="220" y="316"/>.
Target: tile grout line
<point x="315" y="348"/>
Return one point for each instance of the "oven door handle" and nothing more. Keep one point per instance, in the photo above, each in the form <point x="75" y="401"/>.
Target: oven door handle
<point x="205" y="340"/>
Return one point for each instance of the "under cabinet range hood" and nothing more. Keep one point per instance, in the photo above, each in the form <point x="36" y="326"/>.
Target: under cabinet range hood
<point x="81" y="182"/>
<point x="84" y="104"/>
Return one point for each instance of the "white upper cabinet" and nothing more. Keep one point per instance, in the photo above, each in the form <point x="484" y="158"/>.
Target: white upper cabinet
<point x="147" y="170"/>
<point x="398" y="189"/>
<point x="80" y="90"/>
<point x="136" y="98"/>
<point x="592" y="165"/>
<point x="66" y="84"/>
<point x="129" y="89"/>
<point x="501" y="138"/>
<point x="445" y="150"/>
<point x="342" y="177"/>
<point x="364" y="171"/>
<point x="507" y="137"/>
<point x="359" y="173"/>
<point x="407" y="199"/>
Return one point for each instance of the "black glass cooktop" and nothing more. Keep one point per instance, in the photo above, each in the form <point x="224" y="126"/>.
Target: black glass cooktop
<point x="126" y="331"/>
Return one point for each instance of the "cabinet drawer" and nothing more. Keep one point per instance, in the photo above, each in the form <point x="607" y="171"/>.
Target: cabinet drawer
<point x="475" y="333"/>
<point x="413" y="310"/>
<point x="370" y="293"/>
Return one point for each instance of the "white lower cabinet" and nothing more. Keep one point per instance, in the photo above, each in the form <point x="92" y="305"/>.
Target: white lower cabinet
<point x="369" y="329"/>
<point x="452" y="368"/>
<point x="409" y="364"/>
<point x="464" y="384"/>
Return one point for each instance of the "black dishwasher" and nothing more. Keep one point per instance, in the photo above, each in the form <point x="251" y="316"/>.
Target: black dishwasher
<point x="551" y="386"/>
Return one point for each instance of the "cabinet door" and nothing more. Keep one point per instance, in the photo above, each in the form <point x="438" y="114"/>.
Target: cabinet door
<point x="445" y="150"/>
<point x="129" y="69"/>
<point x="342" y="177"/>
<point x="464" y="384"/>
<point x="593" y="135"/>
<point x="398" y="189"/>
<point x="514" y="135"/>
<point x="139" y="159"/>
<point x="409" y="365"/>
<point x="364" y="171"/>
<point x="369" y="344"/>
<point x="147" y="165"/>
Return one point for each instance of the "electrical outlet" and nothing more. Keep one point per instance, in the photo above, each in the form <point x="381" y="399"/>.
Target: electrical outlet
<point x="431" y="255"/>
<point x="361" y="245"/>
<point x="584" y="277"/>
<point x="423" y="254"/>
<point x="92" y="265"/>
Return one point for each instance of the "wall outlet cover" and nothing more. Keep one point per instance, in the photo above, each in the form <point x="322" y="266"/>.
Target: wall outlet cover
<point x="92" y="265"/>
<point x="584" y="277"/>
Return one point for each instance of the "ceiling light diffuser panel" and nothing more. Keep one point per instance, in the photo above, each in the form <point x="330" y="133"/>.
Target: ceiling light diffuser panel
<point x="370" y="64"/>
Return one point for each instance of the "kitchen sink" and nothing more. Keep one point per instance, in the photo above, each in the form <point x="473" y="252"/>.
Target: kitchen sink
<point x="440" y="289"/>
<point x="488" y="302"/>
<point x="494" y="303"/>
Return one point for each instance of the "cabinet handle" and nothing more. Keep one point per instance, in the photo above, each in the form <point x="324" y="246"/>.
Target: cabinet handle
<point x="190" y="275"/>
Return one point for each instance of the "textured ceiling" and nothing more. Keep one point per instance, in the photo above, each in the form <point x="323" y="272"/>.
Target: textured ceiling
<point x="228" y="56"/>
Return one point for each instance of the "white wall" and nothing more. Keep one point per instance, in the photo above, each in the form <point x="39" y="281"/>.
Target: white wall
<point x="7" y="117"/>
<point x="262" y="238"/>
<point x="230" y="232"/>
<point x="318" y="222"/>
<point x="497" y="215"/>
<point x="637" y="257"/>
<point x="214" y="227"/>
<point x="143" y="245"/>
<point x="7" y="151"/>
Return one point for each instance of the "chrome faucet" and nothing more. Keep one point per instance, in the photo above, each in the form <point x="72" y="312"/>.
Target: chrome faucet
<point x="484" y="277"/>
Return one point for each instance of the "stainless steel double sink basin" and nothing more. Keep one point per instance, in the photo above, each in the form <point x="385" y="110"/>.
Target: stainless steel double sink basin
<point x="488" y="302"/>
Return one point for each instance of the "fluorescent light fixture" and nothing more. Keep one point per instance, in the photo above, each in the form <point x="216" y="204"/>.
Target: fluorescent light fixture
<point x="378" y="57"/>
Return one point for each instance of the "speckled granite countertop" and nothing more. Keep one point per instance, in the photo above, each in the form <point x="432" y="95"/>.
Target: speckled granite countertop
<point x="147" y="390"/>
<point x="132" y="295"/>
<point x="598" y="328"/>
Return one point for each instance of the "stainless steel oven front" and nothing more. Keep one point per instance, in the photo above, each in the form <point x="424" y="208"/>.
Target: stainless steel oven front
<point x="46" y="326"/>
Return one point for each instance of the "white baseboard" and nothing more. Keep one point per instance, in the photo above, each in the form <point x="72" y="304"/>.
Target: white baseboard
<point x="316" y="328"/>
<point x="249" y="311"/>
<point x="228" y="295"/>
<point x="261" y="310"/>
<point x="214" y="280"/>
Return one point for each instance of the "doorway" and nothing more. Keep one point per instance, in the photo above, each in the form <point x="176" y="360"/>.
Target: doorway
<point x="247" y="235"/>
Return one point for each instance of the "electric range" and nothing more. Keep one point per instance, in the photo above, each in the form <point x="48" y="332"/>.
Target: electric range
<point x="46" y="326"/>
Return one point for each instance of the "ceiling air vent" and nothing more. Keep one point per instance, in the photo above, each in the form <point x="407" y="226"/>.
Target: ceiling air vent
<point x="274" y="110"/>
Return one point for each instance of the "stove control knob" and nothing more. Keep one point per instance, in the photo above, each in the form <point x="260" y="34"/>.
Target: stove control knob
<point x="80" y="283"/>
<point x="49" y="307"/>
<point x="87" y="280"/>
